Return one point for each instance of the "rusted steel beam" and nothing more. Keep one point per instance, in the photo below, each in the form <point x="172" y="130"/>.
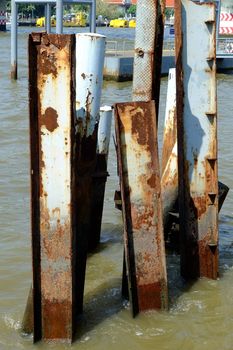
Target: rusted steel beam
<point x="148" y="50"/>
<point x="195" y="30"/>
<point x="100" y="175"/>
<point x="136" y="134"/>
<point x="53" y="184"/>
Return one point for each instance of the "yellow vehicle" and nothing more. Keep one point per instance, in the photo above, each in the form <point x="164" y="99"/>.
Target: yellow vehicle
<point x="132" y="23"/>
<point x="40" y="22"/>
<point x="119" y="23"/>
<point x="79" y="20"/>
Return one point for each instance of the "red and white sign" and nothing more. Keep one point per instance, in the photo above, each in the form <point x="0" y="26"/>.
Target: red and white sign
<point x="2" y="18"/>
<point x="226" y="23"/>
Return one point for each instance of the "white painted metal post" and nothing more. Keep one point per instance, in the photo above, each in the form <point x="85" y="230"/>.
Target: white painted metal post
<point x="14" y="11"/>
<point x="104" y="130"/>
<point x="90" y="50"/>
<point x="169" y="179"/>
<point x="59" y="16"/>
<point x="48" y="18"/>
<point x="93" y="16"/>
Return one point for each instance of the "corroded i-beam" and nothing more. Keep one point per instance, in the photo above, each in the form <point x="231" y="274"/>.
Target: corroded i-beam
<point x="53" y="184"/>
<point x="195" y="29"/>
<point x="137" y="152"/>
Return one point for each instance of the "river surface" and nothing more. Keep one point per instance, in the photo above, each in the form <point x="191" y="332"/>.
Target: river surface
<point x="200" y="315"/>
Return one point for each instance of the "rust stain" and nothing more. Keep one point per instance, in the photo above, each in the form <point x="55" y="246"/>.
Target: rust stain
<point x="49" y="119"/>
<point x="200" y="205"/>
<point x="208" y="256"/>
<point x="149" y="296"/>
<point x="170" y="138"/>
<point x="57" y="318"/>
<point x="153" y="181"/>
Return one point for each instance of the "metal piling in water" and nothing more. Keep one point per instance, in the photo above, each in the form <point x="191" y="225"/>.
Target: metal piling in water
<point x="136" y="134"/>
<point x="100" y="175"/>
<point x="197" y="137"/>
<point x="53" y="185"/>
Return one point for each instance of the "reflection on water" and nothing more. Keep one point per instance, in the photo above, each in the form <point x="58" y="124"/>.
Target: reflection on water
<point x="200" y="315"/>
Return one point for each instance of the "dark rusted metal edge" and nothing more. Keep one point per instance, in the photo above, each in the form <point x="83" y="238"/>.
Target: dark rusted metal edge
<point x="158" y="54"/>
<point x="129" y="245"/>
<point x="35" y="206"/>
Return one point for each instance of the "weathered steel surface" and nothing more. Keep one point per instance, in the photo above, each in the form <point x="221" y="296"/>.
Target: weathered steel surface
<point x="148" y="50"/>
<point x="89" y="66"/>
<point x="169" y="179"/>
<point x="52" y="134"/>
<point x="197" y="137"/>
<point x="136" y="134"/>
<point x="170" y="129"/>
<point x="100" y="175"/>
<point x="90" y="50"/>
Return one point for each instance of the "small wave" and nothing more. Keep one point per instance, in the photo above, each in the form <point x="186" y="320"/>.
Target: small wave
<point x="10" y="322"/>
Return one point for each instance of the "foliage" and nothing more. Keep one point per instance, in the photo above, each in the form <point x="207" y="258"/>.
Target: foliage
<point x="77" y="8"/>
<point x="169" y="12"/>
<point x="132" y="10"/>
<point x="102" y="8"/>
<point x="108" y="11"/>
<point x="28" y="10"/>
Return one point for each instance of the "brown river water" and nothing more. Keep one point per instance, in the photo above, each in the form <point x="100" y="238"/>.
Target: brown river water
<point x="200" y="314"/>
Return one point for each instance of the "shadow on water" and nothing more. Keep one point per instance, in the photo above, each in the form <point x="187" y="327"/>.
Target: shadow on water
<point x="100" y="304"/>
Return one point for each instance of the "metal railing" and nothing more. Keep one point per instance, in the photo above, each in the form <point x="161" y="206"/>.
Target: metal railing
<point x="224" y="47"/>
<point x="126" y="47"/>
<point x="119" y="47"/>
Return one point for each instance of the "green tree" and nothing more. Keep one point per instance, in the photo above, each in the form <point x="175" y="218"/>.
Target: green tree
<point x="132" y="10"/>
<point x="108" y="11"/>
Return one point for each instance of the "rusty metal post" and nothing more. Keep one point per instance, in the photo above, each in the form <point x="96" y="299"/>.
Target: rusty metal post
<point x="169" y="179"/>
<point x="195" y="30"/>
<point x="137" y="152"/>
<point x="148" y="50"/>
<point x="90" y="49"/>
<point x="100" y="175"/>
<point x="53" y="185"/>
